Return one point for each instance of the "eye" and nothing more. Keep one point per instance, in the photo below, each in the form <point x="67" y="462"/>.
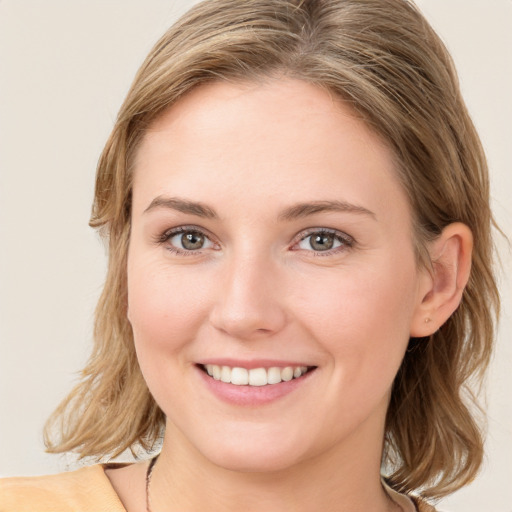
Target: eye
<point x="183" y="240"/>
<point x="323" y="240"/>
<point x="190" y="241"/>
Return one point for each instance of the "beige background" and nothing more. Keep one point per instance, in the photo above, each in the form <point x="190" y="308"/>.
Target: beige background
<point x="65" y="66"/>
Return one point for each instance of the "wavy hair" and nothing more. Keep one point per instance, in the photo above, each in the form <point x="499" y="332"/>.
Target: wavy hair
<point x="383" y="59"/>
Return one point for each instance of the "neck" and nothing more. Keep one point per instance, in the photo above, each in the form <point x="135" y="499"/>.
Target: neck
<point x="346" y="479"/>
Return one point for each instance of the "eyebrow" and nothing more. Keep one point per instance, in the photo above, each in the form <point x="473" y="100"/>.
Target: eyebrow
<point x="182" y="205"/>
<point x="305" y="209"/>
<point x="296" y="211"/>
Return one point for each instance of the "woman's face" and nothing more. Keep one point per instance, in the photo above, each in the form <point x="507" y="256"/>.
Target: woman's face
<point x="269" y="232"/>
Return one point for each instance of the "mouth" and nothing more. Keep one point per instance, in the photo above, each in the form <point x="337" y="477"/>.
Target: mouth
<point x="257" y="377"/>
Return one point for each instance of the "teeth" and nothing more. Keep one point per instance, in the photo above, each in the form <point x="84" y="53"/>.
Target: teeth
<point x="255" y="376"/>
<point x="287" y="373"/>
<point x="240" y="376"/>
<point x="225" y="374"/>
<point x="274" y="375"/>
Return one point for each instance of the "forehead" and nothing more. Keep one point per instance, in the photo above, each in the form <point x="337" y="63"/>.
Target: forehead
<point x="236" y="108"/>
<point x="255" y="138"/>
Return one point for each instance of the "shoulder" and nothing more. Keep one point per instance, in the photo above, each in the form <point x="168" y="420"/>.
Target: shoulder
<point x="82" y="490"/>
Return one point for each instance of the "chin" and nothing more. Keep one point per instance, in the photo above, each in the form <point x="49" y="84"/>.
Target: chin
<point x="261" y="462"/>
<point x="255" y="456"/>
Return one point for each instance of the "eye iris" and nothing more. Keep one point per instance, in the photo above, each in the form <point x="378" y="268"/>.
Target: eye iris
<point x="191" y="241"/>
<point x="322" y="241"/>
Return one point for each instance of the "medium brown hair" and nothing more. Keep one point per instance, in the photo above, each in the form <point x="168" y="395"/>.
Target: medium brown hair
<point x="386" y="62"/>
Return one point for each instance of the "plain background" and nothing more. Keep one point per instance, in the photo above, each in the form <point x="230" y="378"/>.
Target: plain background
<point x="65" y="67"/>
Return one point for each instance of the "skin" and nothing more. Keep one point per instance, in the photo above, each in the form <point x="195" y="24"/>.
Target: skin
<point x="257" y="289"/>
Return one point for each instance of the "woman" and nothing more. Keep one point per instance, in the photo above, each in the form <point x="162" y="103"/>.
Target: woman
<point x="299" y="281"/>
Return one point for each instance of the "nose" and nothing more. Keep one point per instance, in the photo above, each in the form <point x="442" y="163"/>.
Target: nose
<point x="249" y="302"/>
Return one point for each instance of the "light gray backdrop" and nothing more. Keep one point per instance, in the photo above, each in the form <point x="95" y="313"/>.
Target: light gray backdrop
<point x="65" y="67"/>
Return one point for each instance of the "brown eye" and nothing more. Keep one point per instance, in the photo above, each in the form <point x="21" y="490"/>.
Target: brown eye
<point x="322" y="241"/>
<point x="189" y="240"/>
<point x="192" y="241"/>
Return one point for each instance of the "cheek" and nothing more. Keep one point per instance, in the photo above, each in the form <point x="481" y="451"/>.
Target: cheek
<point x="362" y="318"/>
<point x="165" y="304"/>
<point x="166" y="310"/>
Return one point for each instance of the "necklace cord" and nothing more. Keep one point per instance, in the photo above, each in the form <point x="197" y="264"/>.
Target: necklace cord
<point x="151" y="466"/>
<point x="149" y="472"/>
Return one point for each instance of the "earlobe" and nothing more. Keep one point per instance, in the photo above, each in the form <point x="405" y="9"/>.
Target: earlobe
<point x="441" y="287"/>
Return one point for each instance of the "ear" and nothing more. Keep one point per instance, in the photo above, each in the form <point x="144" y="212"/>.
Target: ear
<point x="441" y="287"/>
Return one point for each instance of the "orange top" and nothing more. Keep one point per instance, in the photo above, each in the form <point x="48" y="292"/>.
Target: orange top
<point x="89" y="490"/>
<point x="85" y="490"/>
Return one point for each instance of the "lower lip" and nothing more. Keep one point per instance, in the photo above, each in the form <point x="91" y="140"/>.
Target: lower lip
<point x="252" y="395"/>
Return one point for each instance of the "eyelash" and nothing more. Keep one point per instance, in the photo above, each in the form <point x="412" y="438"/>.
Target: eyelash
<point x="346" y="241"/>
<point x="168" y="234"/>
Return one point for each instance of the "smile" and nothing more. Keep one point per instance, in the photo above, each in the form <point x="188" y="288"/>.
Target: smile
<point x="255" y="376"/>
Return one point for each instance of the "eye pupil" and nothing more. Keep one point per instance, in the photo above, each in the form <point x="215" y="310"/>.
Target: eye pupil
<point x="322" y="242"/>
<point x="191" y="241"/>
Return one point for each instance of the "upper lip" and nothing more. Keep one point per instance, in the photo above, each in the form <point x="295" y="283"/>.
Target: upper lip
<point x="252" y="363"/>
